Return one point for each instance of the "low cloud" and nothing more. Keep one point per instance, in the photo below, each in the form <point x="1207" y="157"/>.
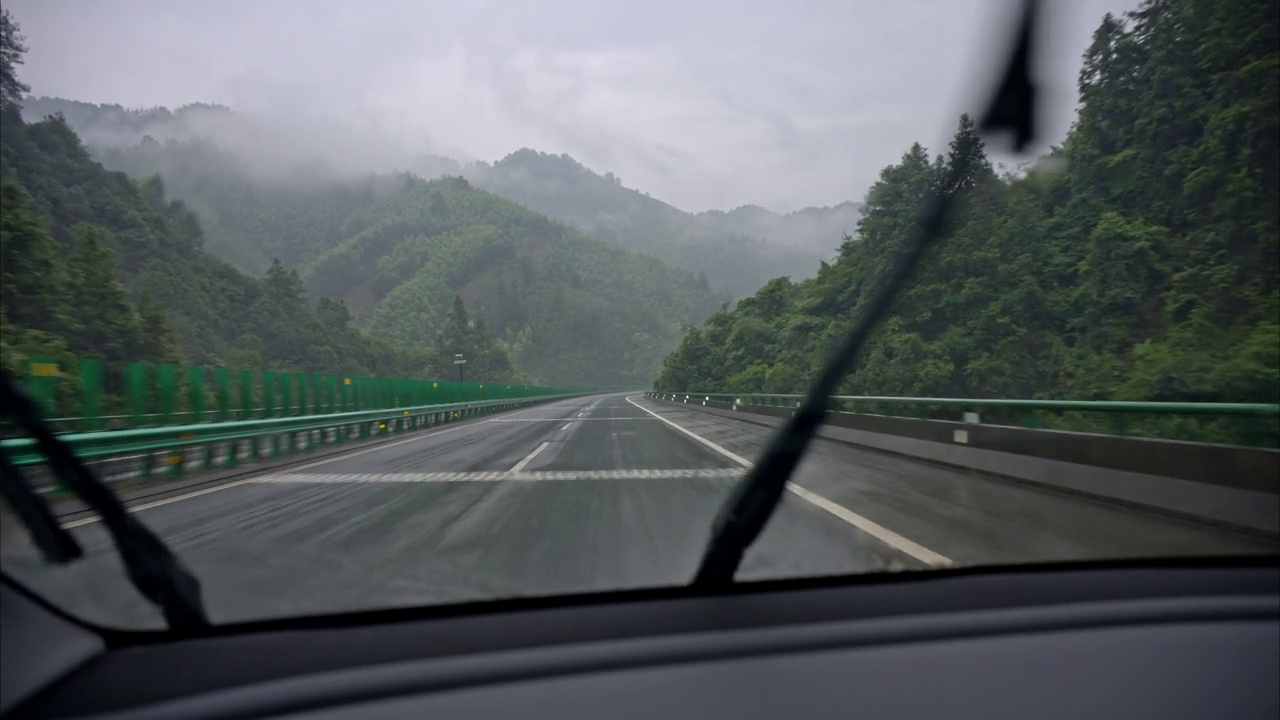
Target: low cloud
<point x="717" y="106"/>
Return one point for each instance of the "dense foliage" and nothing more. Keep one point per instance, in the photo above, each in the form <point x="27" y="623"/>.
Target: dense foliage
<point x="572" y="310"/>
<point x="1136" y="261"/>
<point x="96" y="264"/>
<point x="401" y="253"/>
<point x="76" y="236"/>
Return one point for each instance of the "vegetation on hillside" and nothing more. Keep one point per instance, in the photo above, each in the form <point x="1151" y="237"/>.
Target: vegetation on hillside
<point x="1137" y="261"/>
<point x="251" y="214"/>
<point x="572" y="309"/>
<point x="98" y="265"/>
<point x="737" y="251"/>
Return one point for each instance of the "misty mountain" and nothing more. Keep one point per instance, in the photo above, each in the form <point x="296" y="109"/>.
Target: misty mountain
<point x="108" y="125"/>
<point x="396" y="252"/>
<point x="225" y="152"/>
<point x="738" y="251"/>
<point x="573" y="310"/>
<point x="98" y="265"/>
<point x="819" y="229"/>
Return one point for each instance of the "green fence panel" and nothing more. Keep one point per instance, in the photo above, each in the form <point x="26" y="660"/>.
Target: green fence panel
<point x="268" y="394"/>
<point x="91" y="395"/>
<point x="135" y="391"/>
<point x="195" y="392"/>
<point x="167" y="386"/>
<point x="246" y="395"/>
<point x="303" y="383"/>
<point x="222" y="377"/>
<point x="42" y="378"/>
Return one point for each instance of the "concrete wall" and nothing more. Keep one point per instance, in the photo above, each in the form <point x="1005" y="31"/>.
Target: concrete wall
<point x="1225" y="485"/>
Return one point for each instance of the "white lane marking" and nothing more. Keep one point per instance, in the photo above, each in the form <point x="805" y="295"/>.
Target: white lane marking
<point x="566" y="426"/>
<point x="582" y="413"/>
<point x="520" y="465"/>
<point x="157" y="503"/>
<point x="874" y="529"/>
<point x="498" y="475"/>
<point x="344" y="456"/>
<point x="870" y="527"/>
<point x="560" y="419"/>
<point x="732" y="456"/>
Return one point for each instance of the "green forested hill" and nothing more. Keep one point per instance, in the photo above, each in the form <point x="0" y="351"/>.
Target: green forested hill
<point x="1137" y="261"/>
<point x="250" y="220"/>
<point x="736" y="251"/>
<point x="568" y="306"/>
<point x="399" y="251"/>
<point x="96" y="264"/>
<point x="251" y="215"/>
<point x="427" y="269"/>
<point x="571" y="308"/>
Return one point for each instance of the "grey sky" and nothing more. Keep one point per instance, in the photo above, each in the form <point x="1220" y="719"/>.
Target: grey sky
<point x="704" y="105"/>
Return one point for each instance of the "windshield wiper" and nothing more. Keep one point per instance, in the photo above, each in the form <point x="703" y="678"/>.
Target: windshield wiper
<point x="152" y="567"/>
<point x="744" y="514"/>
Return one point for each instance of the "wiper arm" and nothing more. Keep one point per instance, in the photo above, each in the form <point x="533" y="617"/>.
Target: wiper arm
<point x="743" y="516"/>
<point x="152" y="567"/>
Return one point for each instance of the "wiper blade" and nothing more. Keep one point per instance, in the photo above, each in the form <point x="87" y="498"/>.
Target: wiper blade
<point x="152" y="567"/>
<point x="744" y="515"/>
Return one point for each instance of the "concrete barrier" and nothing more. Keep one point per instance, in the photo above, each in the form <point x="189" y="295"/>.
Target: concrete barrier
<point x="1236" y="487"/>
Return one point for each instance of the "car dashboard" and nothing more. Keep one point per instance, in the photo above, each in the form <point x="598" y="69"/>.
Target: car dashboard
<point x="1169" y="640"/>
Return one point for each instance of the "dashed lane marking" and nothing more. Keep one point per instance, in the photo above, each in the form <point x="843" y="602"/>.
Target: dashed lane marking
<point x="499" y="476"/>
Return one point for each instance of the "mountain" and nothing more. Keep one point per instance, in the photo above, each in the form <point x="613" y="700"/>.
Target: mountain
<point x="736" y="255"/>
<point x="99" y="265"/>
<point x="573" y="310"/>
<point x="204" y="150"/>
<point x="569" y="309"/>
<point x="1137" y="262"/>
<point x="818" y="230"/>
<point x="110" y="125"/>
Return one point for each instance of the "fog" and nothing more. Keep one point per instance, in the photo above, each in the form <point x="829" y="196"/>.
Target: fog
<point x="707" y="108"/>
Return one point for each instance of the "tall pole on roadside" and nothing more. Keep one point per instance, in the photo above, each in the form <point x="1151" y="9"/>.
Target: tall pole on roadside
<point x="460" y="362"/>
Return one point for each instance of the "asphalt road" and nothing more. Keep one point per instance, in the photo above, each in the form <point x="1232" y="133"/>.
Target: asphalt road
<point x="598" y="493"/>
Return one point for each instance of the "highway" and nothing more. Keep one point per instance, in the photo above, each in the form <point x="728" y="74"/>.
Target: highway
<point x="597" y="493"/>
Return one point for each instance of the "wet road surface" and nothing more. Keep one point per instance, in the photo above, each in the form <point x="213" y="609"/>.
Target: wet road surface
<point x="598" y="493"/>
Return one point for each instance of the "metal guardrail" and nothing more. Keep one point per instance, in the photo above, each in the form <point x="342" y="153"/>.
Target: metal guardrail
<point x="1262" y="420"/>
<point x="88" y="395"/>
<point x="173" y="443"/>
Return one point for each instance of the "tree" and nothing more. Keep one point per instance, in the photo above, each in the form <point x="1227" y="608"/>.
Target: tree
<point x="102" y="322"/>
<point x="11" y="51"/>
<point x="1138" y="262"/>
<point x="32" y="276"/>
<point x="155" y="342"/>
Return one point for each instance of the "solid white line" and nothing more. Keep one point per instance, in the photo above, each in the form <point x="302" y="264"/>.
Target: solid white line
<point x="870" y="527"/>
<point x="520" y="465"/>
<point x="874" y="529"/>
<point x="734" y="457"/>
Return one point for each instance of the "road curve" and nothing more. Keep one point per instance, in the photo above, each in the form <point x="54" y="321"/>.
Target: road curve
<point x="597" y="493"/>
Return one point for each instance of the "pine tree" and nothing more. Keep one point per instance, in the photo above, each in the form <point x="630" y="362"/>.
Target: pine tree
<point x="102" y="321"/>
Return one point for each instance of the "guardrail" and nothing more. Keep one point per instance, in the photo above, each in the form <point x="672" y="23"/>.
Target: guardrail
<point x="87" y="395"/>
<point x="183" y="446"/>
<point x="1254" y="424"/>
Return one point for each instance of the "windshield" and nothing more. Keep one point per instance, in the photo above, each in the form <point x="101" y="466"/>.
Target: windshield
<point x="425" y="307"/>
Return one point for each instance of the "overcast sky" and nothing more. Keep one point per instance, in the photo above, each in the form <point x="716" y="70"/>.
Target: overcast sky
<point x="707" y="105"/>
